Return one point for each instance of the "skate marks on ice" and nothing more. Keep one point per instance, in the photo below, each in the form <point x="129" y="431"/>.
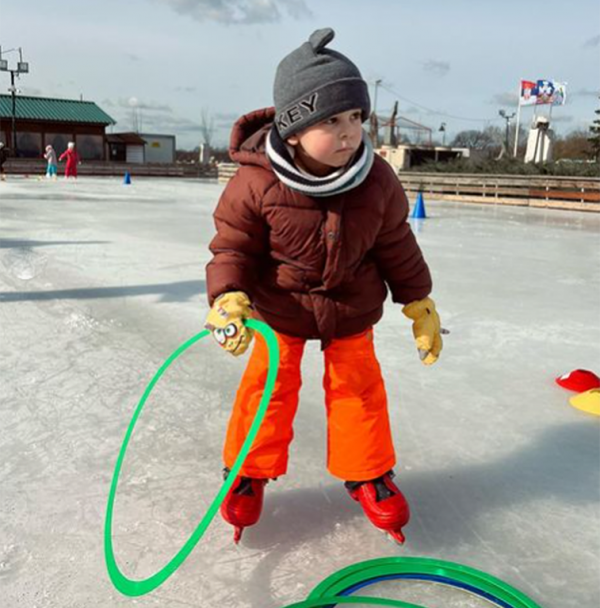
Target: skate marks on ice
<point x="23" y="263"/>
<point x="308" y="531"/>
<point x="492" y="507"/>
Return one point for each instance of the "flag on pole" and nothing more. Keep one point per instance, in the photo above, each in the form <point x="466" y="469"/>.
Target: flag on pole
<point x="542" y="92"/>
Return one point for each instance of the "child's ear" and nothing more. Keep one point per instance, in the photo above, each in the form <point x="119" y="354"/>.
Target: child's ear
<point x="292" y="140"/>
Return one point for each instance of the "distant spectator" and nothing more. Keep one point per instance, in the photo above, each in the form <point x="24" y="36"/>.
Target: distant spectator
<point x="50" y="156"/>
<point x="4" y="154"/>
<point x="72" y="160"/>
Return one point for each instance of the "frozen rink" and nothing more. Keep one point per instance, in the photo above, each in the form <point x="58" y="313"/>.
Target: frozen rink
<point x="100" y="282"/>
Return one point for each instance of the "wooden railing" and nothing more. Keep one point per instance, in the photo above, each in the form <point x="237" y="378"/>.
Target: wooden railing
<point x="110" y="168"/>
<point x="532" y="191"/>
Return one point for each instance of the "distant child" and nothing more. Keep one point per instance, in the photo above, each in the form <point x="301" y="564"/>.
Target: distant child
<point x="312" y="232"/>
<point x="4" y="153"/>
<point x="72" y="160"/>
<point x="50" y="156"/>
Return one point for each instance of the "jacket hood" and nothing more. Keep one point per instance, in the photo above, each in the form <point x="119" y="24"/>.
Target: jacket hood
<point x="248" y="138"/>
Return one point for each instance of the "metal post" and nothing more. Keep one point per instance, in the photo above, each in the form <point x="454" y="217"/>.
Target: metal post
<point x="507" y="118"/>
<point x="22" y="68"/>
<point x="518" y="125"/>
<point x="374" y="112"/>
<point x="13" y="91"/>
<point x="377" y="83"/>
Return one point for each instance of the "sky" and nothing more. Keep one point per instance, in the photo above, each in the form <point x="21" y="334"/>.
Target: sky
<point x="166" y="63"/>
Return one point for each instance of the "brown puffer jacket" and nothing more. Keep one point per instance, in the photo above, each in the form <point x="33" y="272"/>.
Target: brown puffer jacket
<point x="313" y="267"/>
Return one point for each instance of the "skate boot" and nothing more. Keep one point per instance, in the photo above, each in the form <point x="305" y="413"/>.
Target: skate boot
<point x="243" y="504"/>
<point x="383" y="504"/>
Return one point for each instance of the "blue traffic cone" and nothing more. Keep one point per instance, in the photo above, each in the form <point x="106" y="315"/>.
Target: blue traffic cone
<point x="419" y="208"/>
<point x="127" y="179"/>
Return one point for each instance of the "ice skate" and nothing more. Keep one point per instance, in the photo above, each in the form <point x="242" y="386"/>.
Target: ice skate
<point x="243" y="504"/>
<point x="383" y="504"/>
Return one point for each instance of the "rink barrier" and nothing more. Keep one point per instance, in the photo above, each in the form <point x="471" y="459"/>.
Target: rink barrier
<point x="36" y="167"/>
<point x="579" y="194"/>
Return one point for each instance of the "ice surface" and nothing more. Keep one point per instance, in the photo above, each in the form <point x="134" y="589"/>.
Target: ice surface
<point x="100" y="282"/>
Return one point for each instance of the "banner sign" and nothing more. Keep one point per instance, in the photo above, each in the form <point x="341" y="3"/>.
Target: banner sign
<point x="542" y="92"/>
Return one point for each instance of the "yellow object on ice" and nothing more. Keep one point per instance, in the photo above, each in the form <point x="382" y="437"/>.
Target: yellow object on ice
<point x="587" y="402"/>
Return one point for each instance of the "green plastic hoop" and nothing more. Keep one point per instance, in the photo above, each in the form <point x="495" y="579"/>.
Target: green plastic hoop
<point x="132" y="587"/>
<point x="335" y="600"/>
<point x="327" y="592"/>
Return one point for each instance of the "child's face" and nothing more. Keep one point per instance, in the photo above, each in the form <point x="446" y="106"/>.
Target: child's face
<point x="330" y="143"/>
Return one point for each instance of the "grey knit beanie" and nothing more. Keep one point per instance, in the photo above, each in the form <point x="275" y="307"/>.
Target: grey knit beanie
<point x="313" y="83"/>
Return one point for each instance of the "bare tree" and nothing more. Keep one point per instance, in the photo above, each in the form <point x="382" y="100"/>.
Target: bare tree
<point x="473" y="138"/>
<point x="574" y="145"/>
<point x="207" y="126"/>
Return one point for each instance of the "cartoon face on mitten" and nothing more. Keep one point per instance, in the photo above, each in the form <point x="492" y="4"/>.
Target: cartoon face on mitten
<point x="229" y="330"/>
<point x="234" y="337"/>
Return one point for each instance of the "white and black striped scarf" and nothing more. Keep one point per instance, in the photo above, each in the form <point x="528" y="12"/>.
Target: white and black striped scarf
<point x="343" y="179"/>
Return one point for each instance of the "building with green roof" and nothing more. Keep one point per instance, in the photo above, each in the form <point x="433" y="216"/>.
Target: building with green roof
<point x="40" y="121"/>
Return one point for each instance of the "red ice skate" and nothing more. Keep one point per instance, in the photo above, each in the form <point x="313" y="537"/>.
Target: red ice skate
<point x="243" y="504"/>
<point x="383" y="504"/>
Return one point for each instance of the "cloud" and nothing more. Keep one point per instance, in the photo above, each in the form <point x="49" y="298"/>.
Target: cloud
<point x="133" y="102"/>
<point x="439" y="68"/>
<point x="168" y="124"/>
<point x="148" y="116"/>
<point x="592" y="42"/>
<point x="504" y="99"/>
<point x="132" y="57"/>
<point x="239" y="12"/>
<point x="186" y="89"/>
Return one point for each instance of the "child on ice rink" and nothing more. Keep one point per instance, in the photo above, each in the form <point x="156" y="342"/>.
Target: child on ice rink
<point x="312" y="232"/>
<point x="72" y="158"/>
<point x="52" y="162"/>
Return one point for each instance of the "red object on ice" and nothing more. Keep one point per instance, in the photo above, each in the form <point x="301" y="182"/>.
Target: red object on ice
<point x="390" y="513"/>
<point x="243" y="504"/>
<point x="579" y="380"/>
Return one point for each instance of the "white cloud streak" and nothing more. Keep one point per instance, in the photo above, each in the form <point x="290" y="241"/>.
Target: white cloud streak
<point x="239" y="12"/>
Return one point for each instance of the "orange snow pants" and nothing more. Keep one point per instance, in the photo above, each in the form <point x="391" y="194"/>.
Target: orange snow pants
<point x="359" y="440"/>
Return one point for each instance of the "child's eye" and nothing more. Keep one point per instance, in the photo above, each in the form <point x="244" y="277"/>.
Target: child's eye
<point x="356" y="116"/>
<point x="331" y="121"/>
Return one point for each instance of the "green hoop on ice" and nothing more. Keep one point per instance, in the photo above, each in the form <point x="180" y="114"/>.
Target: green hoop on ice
<point x="132" y="587"/>
<point x="335" y="589"/>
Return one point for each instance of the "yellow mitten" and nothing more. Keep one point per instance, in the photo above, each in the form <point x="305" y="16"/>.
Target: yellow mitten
<point x="226" y="322"/>
<point x="426" y="329"/>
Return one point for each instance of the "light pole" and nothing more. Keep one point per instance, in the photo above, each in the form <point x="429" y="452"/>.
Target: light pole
<point x="443" y="131"/>
<point x="22" y="68"/>
<point x="507" y="118"/>
<point x="377" y="83"/>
